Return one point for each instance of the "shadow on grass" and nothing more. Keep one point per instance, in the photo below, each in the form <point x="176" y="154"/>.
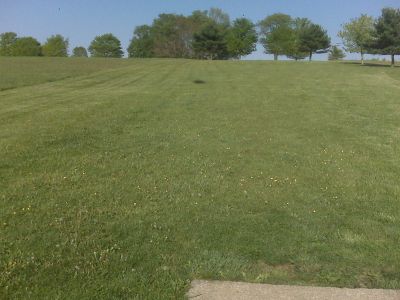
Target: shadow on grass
<point x="198" y="81"/>
<point x="370" y="64"/>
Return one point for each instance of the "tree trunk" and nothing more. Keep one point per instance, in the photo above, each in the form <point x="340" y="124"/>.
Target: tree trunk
<point x="275" y="56"/>
<point x="362" y="57"/>
<point x="310" y="57"/>
<point x="392" y="64"/>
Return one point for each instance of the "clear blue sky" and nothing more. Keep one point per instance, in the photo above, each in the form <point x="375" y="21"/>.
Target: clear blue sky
<point x="81" y="20"/>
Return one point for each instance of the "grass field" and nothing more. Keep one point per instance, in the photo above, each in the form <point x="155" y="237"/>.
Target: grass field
<point x="134" y="178"/>
<point x="23" y="71"/>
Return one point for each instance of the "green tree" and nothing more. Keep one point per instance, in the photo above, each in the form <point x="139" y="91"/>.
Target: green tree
<point x="26" y="46"/>
<point x="198" y="19"/>
<point x="172" y="36"/>
<point x="242" y="38"/>
<point x="296" y="54"/>
<point x="56" y="45"/>
<point x="106" y="45"/>
<point x="7" y="41"/>
<point x="335" y="53"/>
<point x="210" y="43"/>
<point x="387" y="34"/>
<point x="357" y="35"/>
<point x="142" y="43"/>
<point x="79" y="52"/>
<point x="276" y="34"/>
<point x="294" y="49"/>
<point x="313" y="38"/>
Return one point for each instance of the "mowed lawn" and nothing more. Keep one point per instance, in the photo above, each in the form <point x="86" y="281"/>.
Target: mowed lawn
<point x="23" y="71"/>
<point x="130" y="182"/>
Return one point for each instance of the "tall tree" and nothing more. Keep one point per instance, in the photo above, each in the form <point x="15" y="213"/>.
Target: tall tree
<point x="210" y="43"/>
<point x="276" y="34"/>
<point x="197" y="21"/>
<point x="142" y="43"/>
<point x="56" y="45"/>
<point x="335" y="53"/>
<point x="172" y="36"/>
<point x="242" y="38"/>
<point x="106" y="45"/>
<point x="387" y="30"/>
<point x="357" y="35"/>
<point x="313" y="39"/>
<point x="79" y="52"/>
<point x="26" y="46"/>
<point x="294" y="50"/>
<point x="7" y="41"/>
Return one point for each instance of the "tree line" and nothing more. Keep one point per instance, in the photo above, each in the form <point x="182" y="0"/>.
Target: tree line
<point x="203" y="35"/>
<point x="210" y="34"/>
